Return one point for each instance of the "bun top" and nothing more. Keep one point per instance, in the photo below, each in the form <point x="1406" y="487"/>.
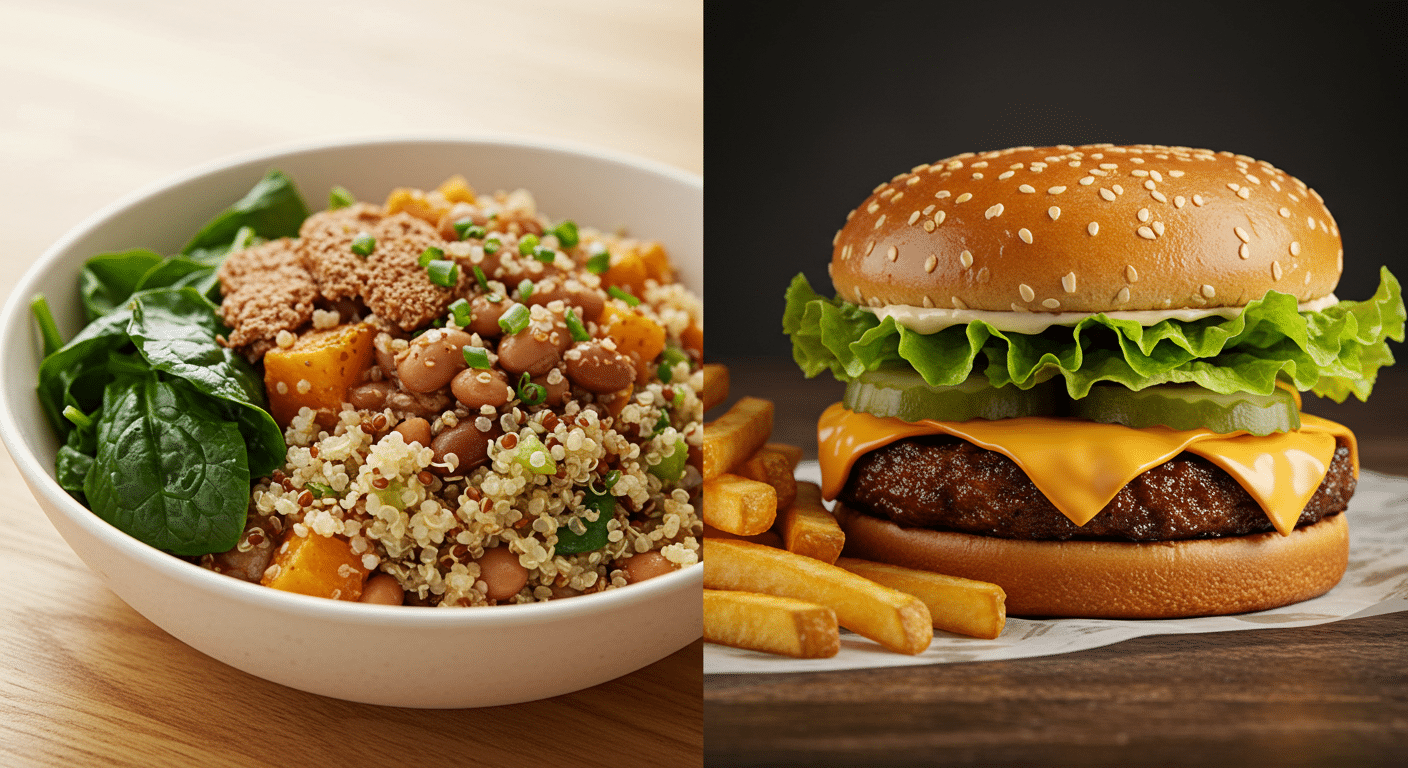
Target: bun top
<point x="1087" y="229"/>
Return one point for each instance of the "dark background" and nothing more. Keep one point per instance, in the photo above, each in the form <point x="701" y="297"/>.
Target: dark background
<point x="808" y="107"/>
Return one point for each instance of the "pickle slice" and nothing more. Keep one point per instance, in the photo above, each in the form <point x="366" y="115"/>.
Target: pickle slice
<point x="1189" y="406"/>
<point x="905" y="395"/>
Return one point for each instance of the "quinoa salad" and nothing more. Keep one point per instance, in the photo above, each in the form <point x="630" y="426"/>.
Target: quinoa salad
<point x="480" y="405"/>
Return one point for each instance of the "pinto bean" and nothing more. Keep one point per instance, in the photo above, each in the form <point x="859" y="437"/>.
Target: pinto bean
<point x="385" y="356"/>
<point x="466" y="442"/>
<point x="502" y="574"/>
<point x="422" y="404"/>
<point x="414" y="430"/>
<point x="530" y="350"/>
<point x="370" y="396"/>
<point x="432" y="359"/>
<point x="476" y="388"/>
<point x="486" y="316"/>
<point x="250" y="564"/>
<point x="588" y="301"/>
<point x="383" y="589"/>
<point x="646" y="565"/>
<point x="597" y="369"/>
<point x="556" y="392"/>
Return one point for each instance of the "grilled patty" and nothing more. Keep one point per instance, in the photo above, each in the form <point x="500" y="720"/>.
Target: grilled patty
<point x="948" y="484"/>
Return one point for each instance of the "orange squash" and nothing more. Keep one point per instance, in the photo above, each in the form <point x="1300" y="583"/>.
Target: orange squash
<point x="317" y="371"/>
<point x="321" y="566"/>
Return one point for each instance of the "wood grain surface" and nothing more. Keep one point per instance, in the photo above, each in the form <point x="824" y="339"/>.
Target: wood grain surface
<point x="1333" y="694"/>
<point x="104" y="98"/>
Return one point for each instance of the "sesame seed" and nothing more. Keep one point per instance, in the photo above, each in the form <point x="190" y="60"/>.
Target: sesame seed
<point x="1245" y="251"/>
<point x="931" y="263"/>
<point x="1148" y="183"/>
<point x="1051" y="304"/>
<point x="1242" y="234"/>
<point x="1157" y="195"/>
<point x="1118" y="189"/>
<point x="879" y="221"/>
<point x="984" y="275"/>
<point x="1027" y="188"/>
<point x="919" y="168"/>
<point x="912" y="181"/>
<point x="1069" y="282"/>
<point x="1156" y="176"/>
<point x="1055" y="190"/>
<point x="1109" y="166"/>
<point x="966" y="259"/>
<point x="1007" y="175"/>
<point x="1208" y="291"/>
<point x="1179" y="201"/>
<point x="1295" y="247"/>
<point x="1054" y="212"/>
<point x="1131" y="274"/>
<point x="1275" y="270"/>
<point x="963" y="198"/>
<point x="1310" y="222"/>
<point x="1107" y="194"/>
<point x="1123" y="296"/>
<point x="1146" y="233"/>
<point x="870" y="246"/>
<point x="928" y="303"/>
<point x="1316" y="195"/>
<point x="1139" y="172"/>
<point x="1074" y="164"/>
<point x="977" y="175"/>
<point x="1245" y="193"/>
<point x="913" y="217"/>
<point x="1098" y="172"/>
<point x="893" y="253"/>
<point x="1025" y="234"/>
<point x="896" y="198"/>
<point x="1253" y="179"/>
<point x="1285" y="212"/>
<point x="1137" y="159"/>
<point x="1234" y="186"/>
<point x="1197" y="200"/>
<point x="1159" y="228"/>
<point x="1027" y="293"/>
<point x="1275" y="186"/>
<point x="1087" y="181"/>
<point x="1093" y="228"/>
<point x="928" y="225"/>
<point x="928" y="209"/>
<point x="939" y="217"/>
<point x="1307" y="277"/>
<point x="980" y="164"/>
<point x="941" y="194"/>
<point x="957" y="302"/>
<point x="994" y="211"/>
<point x="1143" y="214"/>
<point x="1176" y="174"/>
<point x="872" y="208"/>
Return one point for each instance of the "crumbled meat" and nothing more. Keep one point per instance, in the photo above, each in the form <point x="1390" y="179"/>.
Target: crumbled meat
<point x="267" y="290"/>
<point x="398" y="288"/>
<point x="325" y="240"/>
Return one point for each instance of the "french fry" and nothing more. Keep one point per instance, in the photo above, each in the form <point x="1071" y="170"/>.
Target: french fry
<point x="807" y="528"/>
<point x="739" y="505"/>
<point x="715" y="385"/>
<point x="730" y="439"/>
<point x="772" y="468"/>
<point x="793" y="453"/>
<point x="768" y="538"/>
<point x="770" y="624"/>
<point x="961" y="606"/>
<point x="897" y="621"/>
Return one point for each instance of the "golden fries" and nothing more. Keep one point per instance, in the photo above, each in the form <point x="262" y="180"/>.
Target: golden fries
<point x="738" y="434"/>
<point x="773" y="468"/>
<point x="807" y="528"/>
<point x="793" y="453"/>
<point x="962" y="606"/>
<point x="715" y="385"/>
<point x="739" y="505"/>
<point x="768" y="538"/>
<point x="771" y="624"/>
<point x="897" y="621"/>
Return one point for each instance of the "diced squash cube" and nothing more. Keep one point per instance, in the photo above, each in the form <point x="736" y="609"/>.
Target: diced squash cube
<point x="633" y="332"/>
<point x="321" y="566"/>
<point x="317" y="371"/>
<point x="657" y="262"/>
<point x="456" y="190"/>
<point x="626" y="270"/>
<point x="693" y="340"/>
<point x="416" y="203"/>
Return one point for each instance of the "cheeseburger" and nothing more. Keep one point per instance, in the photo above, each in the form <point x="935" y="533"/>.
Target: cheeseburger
<point x="1075" y="372"/>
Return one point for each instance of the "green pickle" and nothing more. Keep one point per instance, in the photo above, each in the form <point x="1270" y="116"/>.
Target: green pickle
<point x="1188" y="406"/>
<point x="905" y="395"/>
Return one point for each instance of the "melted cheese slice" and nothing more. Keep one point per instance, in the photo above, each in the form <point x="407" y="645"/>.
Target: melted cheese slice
<point x="1081" y="465"/>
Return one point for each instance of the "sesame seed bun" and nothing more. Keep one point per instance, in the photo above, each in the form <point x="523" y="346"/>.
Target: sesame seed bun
<point x="1124" y="580"/>
<point x="1094" y="228"/>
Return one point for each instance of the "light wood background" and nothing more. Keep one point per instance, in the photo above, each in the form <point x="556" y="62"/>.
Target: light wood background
<point x="100" y="98"/>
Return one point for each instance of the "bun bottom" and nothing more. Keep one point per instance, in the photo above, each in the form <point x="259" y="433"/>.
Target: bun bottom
<point x="1120" y="580"/>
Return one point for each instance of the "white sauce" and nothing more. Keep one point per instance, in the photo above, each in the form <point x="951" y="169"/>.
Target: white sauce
<point x="925" y="320"/>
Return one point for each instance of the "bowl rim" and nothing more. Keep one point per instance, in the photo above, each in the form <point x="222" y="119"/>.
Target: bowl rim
<point x="14" y="321"/>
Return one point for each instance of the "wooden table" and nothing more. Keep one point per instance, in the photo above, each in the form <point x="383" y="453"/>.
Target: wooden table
<point x="1334" y="694"/>
<point x="104" y="98"/>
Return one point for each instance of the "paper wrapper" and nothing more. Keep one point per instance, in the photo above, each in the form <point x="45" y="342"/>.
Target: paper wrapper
<point x="1376" y="582"/>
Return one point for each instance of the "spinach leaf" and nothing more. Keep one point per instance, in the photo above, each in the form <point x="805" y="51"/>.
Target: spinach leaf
<point x="79" y="360"/>
<point x="272" y="209"/>
<point x="71" y="467"/>
<point x="169" y="470"/>
<point x="175" y="330"/>
<point x="108" y="279"/>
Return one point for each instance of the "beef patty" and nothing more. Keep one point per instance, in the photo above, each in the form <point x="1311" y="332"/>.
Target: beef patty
<point x="948" y="484"/>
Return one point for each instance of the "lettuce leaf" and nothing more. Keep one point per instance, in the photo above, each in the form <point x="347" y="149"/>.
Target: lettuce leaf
<point x="1333" y="353"/>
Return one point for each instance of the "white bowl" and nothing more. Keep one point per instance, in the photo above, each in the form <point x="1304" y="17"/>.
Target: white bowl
<point x="408" y="657"/>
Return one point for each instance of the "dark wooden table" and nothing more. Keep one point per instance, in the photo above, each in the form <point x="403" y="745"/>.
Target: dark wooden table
<point x="1334" y="694"/>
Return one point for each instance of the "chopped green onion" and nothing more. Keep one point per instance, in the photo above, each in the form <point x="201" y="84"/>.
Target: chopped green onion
<point x="525" y="288"/>
<point x="430" y="254"/>
<point x="623" y="295"/>
<point x="246" y="237"/>
<point x="514" y="319"/>
<point x="339" y="197"/>
<point x="679" y="398"/>
<point x="320" y="490"/>
<point x="599" y="263"/>
<point x="611" y="478"/>
<point x="466" y="228"/>
<point x="460" y="310"/>
<point x="530" y="393"/>
<point x="491" y="246"/>
<point x="671" y="468"/>
<point x="662" y="424"/>
<point x="79" y="418"/>
<point x="567" y="234"/>
<point x="476" y="357"/>
<point x="545" y="255"/>
<point x="363" y="244"/>
<point x="673" y="356"/>
<point x="527" y="244"/>
<point x="481" y="279"/>
<point x="443" y="273"/>
<point x="534" y="456"/>
<point x="575" y="327"/>
<point x="48" y="329"/>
